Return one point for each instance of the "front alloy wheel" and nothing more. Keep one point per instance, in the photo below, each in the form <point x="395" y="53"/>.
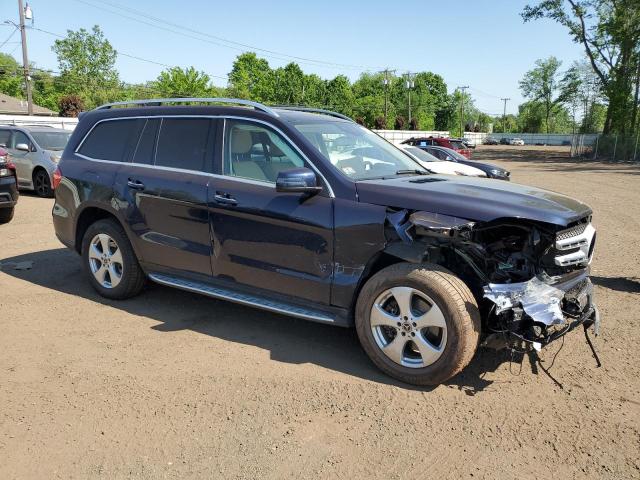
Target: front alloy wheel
<point x="418" y="323"/>
<point x="408" y="326"/>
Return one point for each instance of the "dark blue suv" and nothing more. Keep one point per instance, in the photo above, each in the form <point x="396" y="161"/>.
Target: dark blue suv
<point x="306" y="213"/>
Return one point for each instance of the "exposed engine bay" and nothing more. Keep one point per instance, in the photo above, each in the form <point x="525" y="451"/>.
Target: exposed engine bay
<point x="531" y="279"/>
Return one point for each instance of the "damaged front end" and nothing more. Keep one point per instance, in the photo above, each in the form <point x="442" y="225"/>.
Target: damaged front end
<point x="531" y="279"/>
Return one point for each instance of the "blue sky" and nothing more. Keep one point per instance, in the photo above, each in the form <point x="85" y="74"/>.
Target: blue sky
<point x="480" y="43"/>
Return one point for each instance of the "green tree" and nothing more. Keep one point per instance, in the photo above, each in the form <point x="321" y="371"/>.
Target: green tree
<point x="609" y="32"/>
<point x="87" y="66"/>
<point x="11" y="79"/>
<point x="547" y="85"/>
<point x="289" y="85"/>
<point x="369" y="93"/>
<point x="178" y="82"/>
<point x="252" y="78"/>
<point x="45" y="92"/>
<point x="339" y="95"/>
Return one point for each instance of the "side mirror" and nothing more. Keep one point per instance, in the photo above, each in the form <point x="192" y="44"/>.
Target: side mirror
<point x="297" y="180"/>
<point x="23" y="147"/>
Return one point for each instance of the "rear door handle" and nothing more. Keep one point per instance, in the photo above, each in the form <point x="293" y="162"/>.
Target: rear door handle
<point x="135" y="184"/>
<point x="225" y="199"/>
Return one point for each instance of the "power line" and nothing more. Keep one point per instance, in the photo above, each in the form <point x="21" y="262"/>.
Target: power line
<point x="135" y="57"/>
<point x="8" y="38"/>
<point x="213" y="39"/>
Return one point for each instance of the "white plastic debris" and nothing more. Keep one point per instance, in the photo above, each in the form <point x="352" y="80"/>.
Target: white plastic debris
<point x="538" y="299"/>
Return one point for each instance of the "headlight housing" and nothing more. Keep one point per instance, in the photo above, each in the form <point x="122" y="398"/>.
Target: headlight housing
<point x="55" y="158"/>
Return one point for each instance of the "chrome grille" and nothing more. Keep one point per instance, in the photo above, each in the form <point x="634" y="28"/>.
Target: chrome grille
<point x="575" y="245"/>
<point x="571" y="232"/>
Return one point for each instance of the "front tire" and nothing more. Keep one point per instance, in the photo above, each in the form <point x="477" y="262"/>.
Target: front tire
<point x="418" y="323"/>
<point x="6" y="215"/>
<point x="109" y="261"/>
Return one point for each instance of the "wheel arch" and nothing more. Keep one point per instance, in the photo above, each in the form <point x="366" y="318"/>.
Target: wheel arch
<point x="36" y="169"/>
<point x="379" y="261"/>
<point x="90" y="215"/>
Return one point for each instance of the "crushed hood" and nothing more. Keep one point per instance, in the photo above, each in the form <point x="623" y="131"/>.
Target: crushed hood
<point x="476" y="199"/>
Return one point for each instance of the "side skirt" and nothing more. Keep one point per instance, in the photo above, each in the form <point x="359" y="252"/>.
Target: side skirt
<point x="253" y="300"/>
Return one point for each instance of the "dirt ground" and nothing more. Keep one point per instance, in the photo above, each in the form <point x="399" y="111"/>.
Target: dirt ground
<point x="176" y="385"/>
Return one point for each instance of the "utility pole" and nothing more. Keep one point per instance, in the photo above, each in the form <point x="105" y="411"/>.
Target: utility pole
<point x="410" y="85"/>
<point x="462" y="89"/>
<point x="504" y="115"/>
<point x="386" y="72"/>
<point x="25" y="59"/>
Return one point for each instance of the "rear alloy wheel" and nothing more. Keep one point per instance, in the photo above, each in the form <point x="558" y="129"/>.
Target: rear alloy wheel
<point x="418" y="323"/>
<point x="42" y="184"/>
<point x="109" y="261"/>
<point x="105" y="260"/>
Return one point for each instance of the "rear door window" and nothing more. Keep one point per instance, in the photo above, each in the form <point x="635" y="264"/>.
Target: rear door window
<point x="186" y="143"/>
<point x="113" y="140"/>
<point x="145" y="150"/>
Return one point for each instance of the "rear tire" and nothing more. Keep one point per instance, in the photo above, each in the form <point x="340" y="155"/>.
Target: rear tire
<point x="42" y="183"/>
<point x="109" y="261"/>
<point x="6" y="214"/>
<point x="418" y="323"/>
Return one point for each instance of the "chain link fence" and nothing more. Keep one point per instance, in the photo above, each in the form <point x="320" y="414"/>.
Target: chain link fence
<point x="612" y="148"/>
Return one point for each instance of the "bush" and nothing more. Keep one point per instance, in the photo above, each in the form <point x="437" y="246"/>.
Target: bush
<point x="413" y="124"/>
<point x="360" y="121"/>
<point x="379" y="123"/>
<point x="70" y="106"/>
<point x="400" y="123"/>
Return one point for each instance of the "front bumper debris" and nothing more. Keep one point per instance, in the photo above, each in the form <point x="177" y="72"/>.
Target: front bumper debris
<point x="541" y="310"/>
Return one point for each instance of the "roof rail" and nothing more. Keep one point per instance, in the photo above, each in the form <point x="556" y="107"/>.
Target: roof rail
<point x="7" y="124"/>
<point x="313" y="110"/>
<point x="158" y="101"/>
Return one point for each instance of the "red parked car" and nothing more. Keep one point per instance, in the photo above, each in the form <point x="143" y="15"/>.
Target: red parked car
<point x="452" y="143"/>
<point x="8" y="187"/>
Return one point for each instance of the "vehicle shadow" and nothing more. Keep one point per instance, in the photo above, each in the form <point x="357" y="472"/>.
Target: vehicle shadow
<point x="619" y="284"/>
<point x="287" y="339"/>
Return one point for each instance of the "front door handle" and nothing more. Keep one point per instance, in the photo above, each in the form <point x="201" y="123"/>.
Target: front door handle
<point x="225" y="199"/>
<point x="135" y="184"/>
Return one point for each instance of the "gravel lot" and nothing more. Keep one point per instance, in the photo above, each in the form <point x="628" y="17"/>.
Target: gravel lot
<point x="175" y="385"/>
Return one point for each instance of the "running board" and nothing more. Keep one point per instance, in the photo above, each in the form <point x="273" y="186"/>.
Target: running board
<point x="243" y="298"/>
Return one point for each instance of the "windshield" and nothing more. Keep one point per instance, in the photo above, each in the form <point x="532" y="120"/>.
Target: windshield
<point x="357" y="152"/>
<point x="421" y="154"/>
<point x="51" y="140"/>
<point x="457" y="144"/>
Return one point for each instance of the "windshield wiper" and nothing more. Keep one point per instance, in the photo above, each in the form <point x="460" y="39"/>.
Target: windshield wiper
<point x="412" y="172"/>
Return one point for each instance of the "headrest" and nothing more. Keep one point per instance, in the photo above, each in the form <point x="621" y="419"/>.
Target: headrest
<point x="275" y="151"/>
<point x="241" y="141"/>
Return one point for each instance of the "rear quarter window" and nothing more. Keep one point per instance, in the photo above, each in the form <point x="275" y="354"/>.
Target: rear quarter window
<point x="113" y="140"/>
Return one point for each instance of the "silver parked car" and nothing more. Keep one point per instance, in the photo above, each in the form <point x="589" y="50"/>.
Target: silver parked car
<point x="35" y="151"/>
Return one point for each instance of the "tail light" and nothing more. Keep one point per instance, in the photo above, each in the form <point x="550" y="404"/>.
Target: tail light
<point x="7" y="169"/>
<point x="57" y="177"/>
